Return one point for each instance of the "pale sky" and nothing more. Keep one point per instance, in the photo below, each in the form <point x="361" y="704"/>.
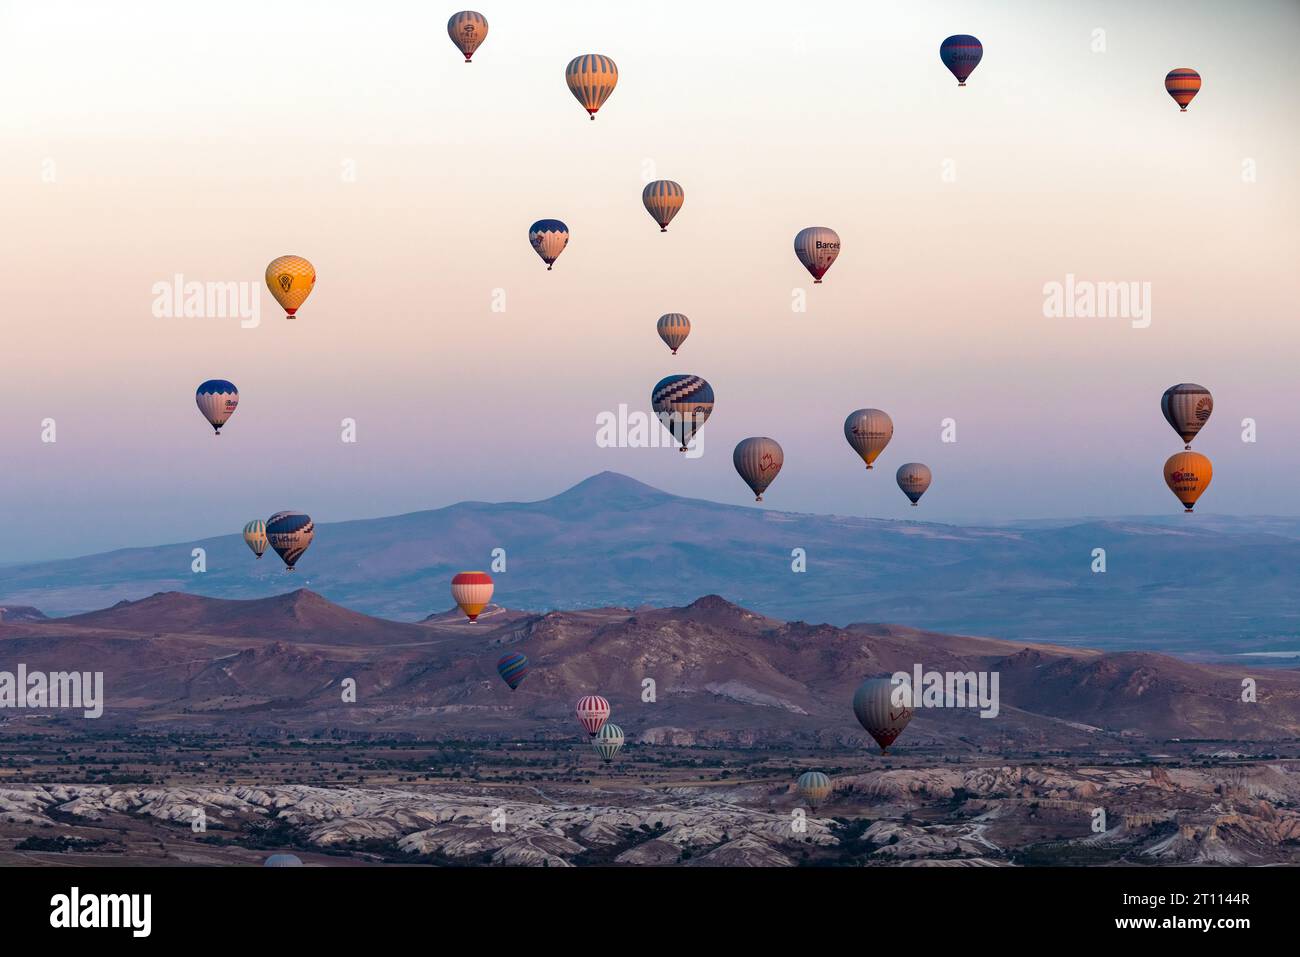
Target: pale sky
<point x="143" y="140"/>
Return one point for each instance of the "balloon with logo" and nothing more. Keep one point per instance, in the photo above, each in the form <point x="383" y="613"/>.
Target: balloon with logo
<point x="467" y="30"/>
<point x="608" y="742"/>
<point x="663" y="200"/>
<point x="1188" y="475"/>
<point x="591" y="79"/>
<point x="883" y="709"/>
<point x="472" y="591"/>
<point x="817" y="248"/>
<point x="673" y="329"/>
<point x="683" y="404"/>
<point x="513" y="668"/>
<point x="255" y="536"/>
<point x="289" y="534"/>
<point x="868" y="431"/>
<point x="913" y="478"/>
<point x="961" y="54"/>
<point x="549" y="237"/>
<point x="1187" y="408"/>
<point x="814" y="787"/>
<point x="291" y="280"/>
<point x="593" y="711"/>
<point x="758" y="460"/>
<point x="217" y="399"/>
<point x="1182" y="84"/>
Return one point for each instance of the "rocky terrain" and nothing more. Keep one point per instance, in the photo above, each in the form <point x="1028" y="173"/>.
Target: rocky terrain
<point x="989" y="815"/>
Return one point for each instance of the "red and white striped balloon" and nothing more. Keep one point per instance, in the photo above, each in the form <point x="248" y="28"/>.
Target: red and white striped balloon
<point x="593" y="711"/>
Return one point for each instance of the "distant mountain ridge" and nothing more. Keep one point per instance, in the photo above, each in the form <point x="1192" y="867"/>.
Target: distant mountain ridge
<point x="1194" y="585"/>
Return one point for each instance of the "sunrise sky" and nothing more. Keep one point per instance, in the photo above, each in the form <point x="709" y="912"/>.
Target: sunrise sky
<point x="140" y="141"/>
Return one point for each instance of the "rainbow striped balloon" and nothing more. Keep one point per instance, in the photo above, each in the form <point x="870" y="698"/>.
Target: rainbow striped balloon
<point x="1182" y="84"/>
<point x="513" y="668"/>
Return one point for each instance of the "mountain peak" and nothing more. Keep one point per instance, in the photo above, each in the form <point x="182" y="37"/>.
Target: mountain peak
<point x="611" y="488"/>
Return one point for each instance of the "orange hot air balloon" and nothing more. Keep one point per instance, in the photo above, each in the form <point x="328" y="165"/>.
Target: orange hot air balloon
<point x="1188" y="474"/>
<point x="290" y="279"/>
<point x="472" y="591"/>
<point x="1182" y="84"/>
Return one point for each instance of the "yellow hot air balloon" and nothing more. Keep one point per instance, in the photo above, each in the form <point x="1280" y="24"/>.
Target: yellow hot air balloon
<point x="591" y="78"/>
<point x="1188" y="474"/>
<point x="290" y="279"/>
<point x="868" y="431"/>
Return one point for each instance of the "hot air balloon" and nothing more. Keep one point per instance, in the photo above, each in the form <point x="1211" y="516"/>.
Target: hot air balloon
<point x="472" y="591"/>
<point x="289" y="533"/>
<point x="217" y="400"/>
<point x="961" y="54"/>
<point x="817" y="248"/>
<point x="467" y="30"/>
<point x="290" y="279"/>
<point x="683" y="404"/>
<point x="549" y="237"/>
<point x="673" y="329"/>
<point x="283" y="860"/>
<point x="593" y="711"/>
<point x="591" y="78"/>
<point x="814" y="787"/>
<point x="1182" y="84"/>
<point x="1188" y="474"/>
<point x="663" y="200"/>
<point x="608" y="742"/>
<point x="913" y="478"/>
<point x="868" y="431"/>
<point x="758" y="460"/>
<point x="513" y="668"/>
<point x="1187" y="408"/>
<point x="883" y="708"/>
<point x="255" y="536"/>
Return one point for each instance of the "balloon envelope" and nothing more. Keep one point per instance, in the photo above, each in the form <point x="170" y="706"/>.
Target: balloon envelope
<point x="868" y="431"/>
<point x="593" y="711"/>
<point x="673" y="329"/>
<point x="683" y="404"/>
<point x="291" y="280"/>
<point x="289" y="533"/>
<point x="467" y="30"/>
<point x="591" y="79"/>
<point x="1182" y="84"/>
<point x="913" y="478"/>
<point x="472" y="591"/>
<point x="255" y="536"/>
<point x="217" y="399"/>
<point x="1188" y="474"/>
<point x="883" y="709"/>
<point x="513" y="668"/>
<point x="961" y="54"/>
<point x="549" y="237"/>
<point x="663" y="200"/>
<point x="758" y="460"/>
<point x="817" y="248"/>
<point x="814" y="787"/>
<point x="608" y="742"/>
<point x="1187" y="408"/>
<point x="283" y="860"/>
